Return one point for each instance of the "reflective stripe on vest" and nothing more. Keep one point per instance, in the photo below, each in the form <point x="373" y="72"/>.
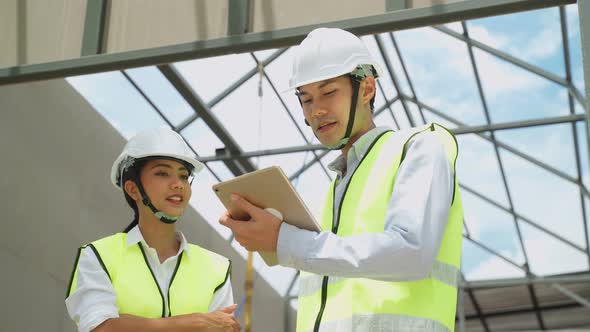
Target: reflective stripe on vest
<point x="383" y="323"/>
<point x="193" y="282"/>
<point x="445" y="273"/>
<point x="354" y="303"/>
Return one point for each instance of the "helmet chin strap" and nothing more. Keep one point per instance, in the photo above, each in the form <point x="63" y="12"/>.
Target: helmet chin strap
<point x="163" y="217"/>
<point x="351" y="114"/>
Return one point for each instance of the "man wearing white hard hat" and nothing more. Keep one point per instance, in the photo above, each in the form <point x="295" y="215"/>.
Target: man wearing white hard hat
<point x="388" y="257"/>
<point x="149" y="278"/>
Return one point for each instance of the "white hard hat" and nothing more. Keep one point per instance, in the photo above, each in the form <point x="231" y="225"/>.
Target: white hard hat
<point x="155" y="142"/>
<point x="327" y="53"/>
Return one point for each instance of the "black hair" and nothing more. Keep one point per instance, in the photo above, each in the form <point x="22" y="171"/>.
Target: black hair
<point x="132" y="173"/>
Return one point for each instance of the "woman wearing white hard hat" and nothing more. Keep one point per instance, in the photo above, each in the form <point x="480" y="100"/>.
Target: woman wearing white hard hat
<point x="389" y="254"/>
<point x="149" y="278"/>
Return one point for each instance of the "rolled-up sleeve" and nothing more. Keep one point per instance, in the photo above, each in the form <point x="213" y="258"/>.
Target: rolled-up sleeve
<point x="416" y="217"/>
<point x="94" y="300"/>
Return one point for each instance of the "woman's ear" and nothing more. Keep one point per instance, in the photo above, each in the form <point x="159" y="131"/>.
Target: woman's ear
<point x="131" y="189"/>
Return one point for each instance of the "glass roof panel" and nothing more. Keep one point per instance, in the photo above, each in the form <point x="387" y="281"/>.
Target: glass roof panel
<point x="536" y="41"/>
<point x="202" y="138"/>
<point x="385" y="119"/>
<point x="448" y="86"/>
<point x="548" y="256"/>
<point x="118" y="101"/>
<point x="400" y="115"/>
<point x="159" y="90"/>
<point x="515" y="94"/>
<point x="552" y="144"/>
<point x="392" y="56"/>
<point x="492" y="227"/>
<point x="220" y="170"/>
<point x="254" y="125"/>
<point x="210" y="76"/>
<point x="478" y="168"/>
<point x="379" y="98"/>
<point x="546" y="199"/>
<point x="429" y="116"/>
<point x="479" y="264"/>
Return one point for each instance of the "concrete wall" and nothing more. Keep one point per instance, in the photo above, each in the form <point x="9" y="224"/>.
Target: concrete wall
<point x="55" y="195"/>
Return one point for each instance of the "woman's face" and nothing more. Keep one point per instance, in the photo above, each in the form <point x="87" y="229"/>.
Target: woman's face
<point x="167" y="184"/>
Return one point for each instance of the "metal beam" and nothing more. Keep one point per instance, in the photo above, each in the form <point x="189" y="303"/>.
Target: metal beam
<point x="94" y="26"/>
<point x="505" y="313"/>
<point x="572" y="295"/>
<point x="262" y="153"/>
<point x="391" y="21"/>
<point x="510" y="282"/>
<point x="505" y="56"/>
<point x="456" y="131"/>
<point x="572" y="118"/>
<point x="568" y="77"/>
<point x="394" y="79"/>
<point x="505" y="146"/>
<point x="191" y="97"/>
<point x="584" y="13"/>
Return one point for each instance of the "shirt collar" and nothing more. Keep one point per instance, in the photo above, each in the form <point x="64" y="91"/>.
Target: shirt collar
<point x="358" y="149"/>
<point x="134" y="236"/>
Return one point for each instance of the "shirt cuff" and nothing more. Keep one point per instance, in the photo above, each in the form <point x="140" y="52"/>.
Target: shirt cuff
<point x="289" y="243"/>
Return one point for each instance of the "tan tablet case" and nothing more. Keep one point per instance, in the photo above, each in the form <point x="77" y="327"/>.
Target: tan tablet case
<point x="267" y="188"/>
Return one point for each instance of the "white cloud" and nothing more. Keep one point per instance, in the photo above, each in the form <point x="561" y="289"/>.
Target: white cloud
<point x="502" y="79"/>
<point x="548" y="257"/>
<point x="543" y="45"/>
<point x="494" y="268"/>
<point x="483" y="35"/>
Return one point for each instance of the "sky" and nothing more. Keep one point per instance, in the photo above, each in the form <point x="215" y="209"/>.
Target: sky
<point x="442" y="77"/>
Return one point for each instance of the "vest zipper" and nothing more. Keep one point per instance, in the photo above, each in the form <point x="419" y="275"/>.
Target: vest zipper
<point x="318" y="319"/>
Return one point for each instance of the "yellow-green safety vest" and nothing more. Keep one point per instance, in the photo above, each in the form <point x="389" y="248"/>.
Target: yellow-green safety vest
<point x="196" y="277"/>
<point x="360" y="304"/>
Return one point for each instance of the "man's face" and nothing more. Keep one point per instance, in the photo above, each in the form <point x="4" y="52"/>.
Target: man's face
<point x="326" y="106"/>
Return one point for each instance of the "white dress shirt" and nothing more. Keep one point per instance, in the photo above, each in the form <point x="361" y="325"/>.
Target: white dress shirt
<point x="414" y="223"/>
<point x="94" y="300"/>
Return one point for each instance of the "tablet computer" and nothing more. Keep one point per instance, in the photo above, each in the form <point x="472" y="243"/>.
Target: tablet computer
<point x="268" y="188"/>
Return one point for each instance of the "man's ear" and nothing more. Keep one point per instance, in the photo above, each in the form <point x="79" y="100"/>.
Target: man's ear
<point x="131" y="189"/>
<point x="368" y="90"/>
